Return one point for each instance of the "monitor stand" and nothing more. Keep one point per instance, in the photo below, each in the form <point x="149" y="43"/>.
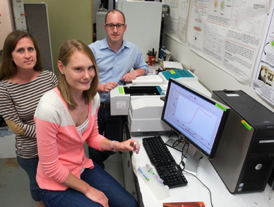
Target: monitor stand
<point x="193" y="155"/>
<point x="192" y="162"/>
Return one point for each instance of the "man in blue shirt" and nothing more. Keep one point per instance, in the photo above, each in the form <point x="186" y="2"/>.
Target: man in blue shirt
<point x="115" y="58"/>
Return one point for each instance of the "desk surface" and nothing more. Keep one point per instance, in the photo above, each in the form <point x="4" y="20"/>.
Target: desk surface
<point x="195" y="191"/>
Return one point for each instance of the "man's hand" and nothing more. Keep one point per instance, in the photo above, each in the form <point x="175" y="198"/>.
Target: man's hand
<point x="108" y="86"/>
<point x="129" y="77"/>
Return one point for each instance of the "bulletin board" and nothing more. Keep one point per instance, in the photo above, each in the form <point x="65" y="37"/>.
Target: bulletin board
<point x="236" y="46"/>
<point x="176" y="19"/>
<point x="228" y="34"/>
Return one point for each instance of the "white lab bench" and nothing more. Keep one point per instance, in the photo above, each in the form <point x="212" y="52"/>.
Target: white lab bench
<point x="195" y="191"/>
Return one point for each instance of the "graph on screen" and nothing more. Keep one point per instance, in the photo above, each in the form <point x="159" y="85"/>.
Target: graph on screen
<point x="193" y="117"/>
<point x="196" y="118"/>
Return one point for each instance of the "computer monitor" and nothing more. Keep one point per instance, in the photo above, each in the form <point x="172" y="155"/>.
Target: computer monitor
<point x="200" y="119"/>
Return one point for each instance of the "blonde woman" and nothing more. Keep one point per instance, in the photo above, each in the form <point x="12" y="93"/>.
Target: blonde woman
<point x="66" y="118"/>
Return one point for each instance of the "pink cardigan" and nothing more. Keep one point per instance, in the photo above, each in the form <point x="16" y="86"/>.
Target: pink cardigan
<point x="60" y="146"/>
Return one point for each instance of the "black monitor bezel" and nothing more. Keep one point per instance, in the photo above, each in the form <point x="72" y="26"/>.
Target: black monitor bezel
<point x="209" y="99"/>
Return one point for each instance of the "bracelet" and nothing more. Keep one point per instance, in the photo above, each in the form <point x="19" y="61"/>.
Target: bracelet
<point x="112" y="147"/>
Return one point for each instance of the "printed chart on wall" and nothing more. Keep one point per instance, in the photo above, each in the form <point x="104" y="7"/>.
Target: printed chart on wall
<point x="228" y="33"/>
<point x="264" y="78"/>
<point x="176" y="21"/>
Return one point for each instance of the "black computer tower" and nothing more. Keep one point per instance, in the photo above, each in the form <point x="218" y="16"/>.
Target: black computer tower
<point x="245" y="156"/>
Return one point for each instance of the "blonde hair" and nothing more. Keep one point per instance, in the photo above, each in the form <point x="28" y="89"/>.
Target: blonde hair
<point x="66" y="51"/>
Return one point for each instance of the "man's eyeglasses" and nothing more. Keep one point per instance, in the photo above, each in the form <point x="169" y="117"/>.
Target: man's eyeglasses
<point x="118" y="26"/>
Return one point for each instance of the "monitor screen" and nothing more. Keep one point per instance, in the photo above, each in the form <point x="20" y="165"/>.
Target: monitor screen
<point x="199" y="118"/>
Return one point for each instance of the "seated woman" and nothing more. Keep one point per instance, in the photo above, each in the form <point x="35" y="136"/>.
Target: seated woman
<point x="66" y="118"/>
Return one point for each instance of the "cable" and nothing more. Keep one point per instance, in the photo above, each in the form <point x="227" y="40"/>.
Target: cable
<point x="179" y="139"/>
<point x="186" y="150"/>
<point x="183" y="154"/>
<point x="183" y="169"/>
<point x="210" y="195"/>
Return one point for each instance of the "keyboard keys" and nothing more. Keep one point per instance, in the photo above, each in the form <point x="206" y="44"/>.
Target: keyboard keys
<point x="162" y="159"/>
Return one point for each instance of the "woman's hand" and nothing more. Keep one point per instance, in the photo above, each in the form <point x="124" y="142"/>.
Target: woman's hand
<point x="90" y="192"/>
<point x="128" y="145"/>
<point x="97" y="196"/>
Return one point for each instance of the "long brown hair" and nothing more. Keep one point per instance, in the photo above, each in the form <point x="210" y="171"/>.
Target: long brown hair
<point x="66" y="51"/>
<point x="8" y="68"/>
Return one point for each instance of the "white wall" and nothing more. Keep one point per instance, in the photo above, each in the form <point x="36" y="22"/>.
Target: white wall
<point x="95" y="7"/>
<point x="6" y="21"/>
<point x="209" y="75"/>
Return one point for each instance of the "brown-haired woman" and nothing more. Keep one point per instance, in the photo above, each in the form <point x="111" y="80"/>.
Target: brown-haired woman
<point x="22" y="83"/>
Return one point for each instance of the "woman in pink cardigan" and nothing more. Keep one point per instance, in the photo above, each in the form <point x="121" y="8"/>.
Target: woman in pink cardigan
<point x="66" y="119"/>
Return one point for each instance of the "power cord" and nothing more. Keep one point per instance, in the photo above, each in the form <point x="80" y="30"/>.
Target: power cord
<point x="184" y="151"/>
<point x="210" y="194"/>
<point x="183" y="170"/>
<point x="183" y="155"/>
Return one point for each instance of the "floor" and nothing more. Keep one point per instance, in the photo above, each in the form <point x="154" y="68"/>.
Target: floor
<point x="14" y="190"/>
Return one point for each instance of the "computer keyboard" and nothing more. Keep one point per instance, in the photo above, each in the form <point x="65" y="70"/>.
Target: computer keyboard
<point x="168" y="170"/>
